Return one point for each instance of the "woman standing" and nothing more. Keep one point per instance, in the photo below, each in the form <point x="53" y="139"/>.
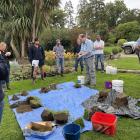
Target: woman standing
<point x="3" y="76"/>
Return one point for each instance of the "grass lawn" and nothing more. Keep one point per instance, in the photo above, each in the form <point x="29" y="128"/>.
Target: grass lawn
<point x="130" y="63"/>
<point x="128" y="129"/>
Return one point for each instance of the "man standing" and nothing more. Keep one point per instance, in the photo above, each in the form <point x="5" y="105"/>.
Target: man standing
<point x="78" y="60"/>
<point x="99" y="52"/>
<point x="87" y="52"/>
<point x="59" y="53"/>
<point x="37" y="57"/>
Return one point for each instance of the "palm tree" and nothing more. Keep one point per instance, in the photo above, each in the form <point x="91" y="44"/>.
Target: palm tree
<point x="22" y="20"/>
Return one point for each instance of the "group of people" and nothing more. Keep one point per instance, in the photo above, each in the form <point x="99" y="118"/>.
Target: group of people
<point x="86" y="53"/>
<point x="37" y="58"/>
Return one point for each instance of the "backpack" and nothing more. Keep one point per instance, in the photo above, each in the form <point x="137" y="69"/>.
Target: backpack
<point x="3" y="70"/>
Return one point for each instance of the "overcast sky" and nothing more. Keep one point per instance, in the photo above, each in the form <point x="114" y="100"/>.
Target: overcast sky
<point x="130" y="3"/>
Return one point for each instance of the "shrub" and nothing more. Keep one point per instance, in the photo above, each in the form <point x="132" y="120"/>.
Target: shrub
<point x="121" y="42"/>
<point x="115" y="51"/>
<point x="106" y="52"/>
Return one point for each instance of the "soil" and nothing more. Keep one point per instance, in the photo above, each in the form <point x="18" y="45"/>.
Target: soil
<point x="44" y="90"/>
<point x="121" y="100"/>
<point x="24" y="93"/>
<point x="52" y="87"/>
<point x="61" y="118"/>
<point x="102" y="96"/>
<point x="15" y="105"/>
<point x="35" y="104"/>
<point x="23" y="108"/>
<point x="14" y="98"/>
<point x="41" y="127"/>
<point x="47" y="115"/>
<point x="77" y="86"/>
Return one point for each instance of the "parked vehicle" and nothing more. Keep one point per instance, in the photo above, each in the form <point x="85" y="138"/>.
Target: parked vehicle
<point x="129" y="47"/>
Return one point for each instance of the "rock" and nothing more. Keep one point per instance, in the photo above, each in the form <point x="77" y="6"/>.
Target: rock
<point x="14" y="98"/>
<point x="80" y="122"/>
<point x="61" y="117"/>
<point x="47" y="115"/>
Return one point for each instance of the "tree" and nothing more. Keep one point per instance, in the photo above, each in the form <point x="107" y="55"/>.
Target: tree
<point x="91" y="13"/>
<point x="129" y="31"/>
<point x="57" y="18"/>
<point x="22" y="20"/>
<point x="82" y="17"/>
<point x="69" y="11"/>
<point x="115" y="12"/>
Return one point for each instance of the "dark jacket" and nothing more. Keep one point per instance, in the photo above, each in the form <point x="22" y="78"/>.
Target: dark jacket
<point x="6" y="58"/>
<point x="77" y="49"/>
<point x="3" y="74"/>
<point x="36" y="53"/>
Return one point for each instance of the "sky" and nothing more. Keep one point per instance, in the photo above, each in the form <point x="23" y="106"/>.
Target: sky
<point x="130" y="3"/>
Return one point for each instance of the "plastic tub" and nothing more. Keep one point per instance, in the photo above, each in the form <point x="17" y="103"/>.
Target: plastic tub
<point x="117" y="85"/>
<point x="104" y="123"/>
<point x="71" y="132"/>
<point x="81" y="80"/>
<point x="108" y="84"/>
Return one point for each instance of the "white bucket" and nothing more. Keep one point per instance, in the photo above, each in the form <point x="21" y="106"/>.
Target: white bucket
<point x="118" y="85"/>
<point x="81" y="80"/>
<point x="111" y="70"/>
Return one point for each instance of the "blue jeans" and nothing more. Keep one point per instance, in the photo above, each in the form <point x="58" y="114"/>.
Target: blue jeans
<point x="1" y="110"/>
<point x="60" y="65"/>
<point x="77" y="61"/>
<point x="99" y="58"/>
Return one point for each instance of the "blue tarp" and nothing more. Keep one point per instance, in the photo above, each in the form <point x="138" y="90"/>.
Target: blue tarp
<point x="66" y="97"/>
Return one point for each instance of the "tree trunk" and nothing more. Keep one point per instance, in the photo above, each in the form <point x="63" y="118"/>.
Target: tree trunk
<point x="17" y="55"/>
<point x="23" y="47"/>
<point x="34" y="21"/>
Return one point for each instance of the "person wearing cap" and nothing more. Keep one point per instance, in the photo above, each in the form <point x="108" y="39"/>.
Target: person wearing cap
<point x="99" y="52"/>
<point x="36" y="58"/>
<point x="87" y="52"/>
<point x="58" y="49"/>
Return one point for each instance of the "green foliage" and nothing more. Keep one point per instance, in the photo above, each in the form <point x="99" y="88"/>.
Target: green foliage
<point x="121" y="42"/>
<point x="80" y="122"/>
<point x="86" y="114"/>
<point x="57" y="18"/>
<point x="111" y="38"/>
<point x="115" y="51"/>
<point x="130" y="31"/>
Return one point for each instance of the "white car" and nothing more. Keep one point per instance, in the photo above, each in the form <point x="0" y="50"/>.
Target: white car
<point x="129" y="47"/>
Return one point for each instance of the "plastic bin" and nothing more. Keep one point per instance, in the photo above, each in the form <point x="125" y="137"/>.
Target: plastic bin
<point x="104" y="123"/>
<point x="108" y="85"/>
<point x="71" y="132"/>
